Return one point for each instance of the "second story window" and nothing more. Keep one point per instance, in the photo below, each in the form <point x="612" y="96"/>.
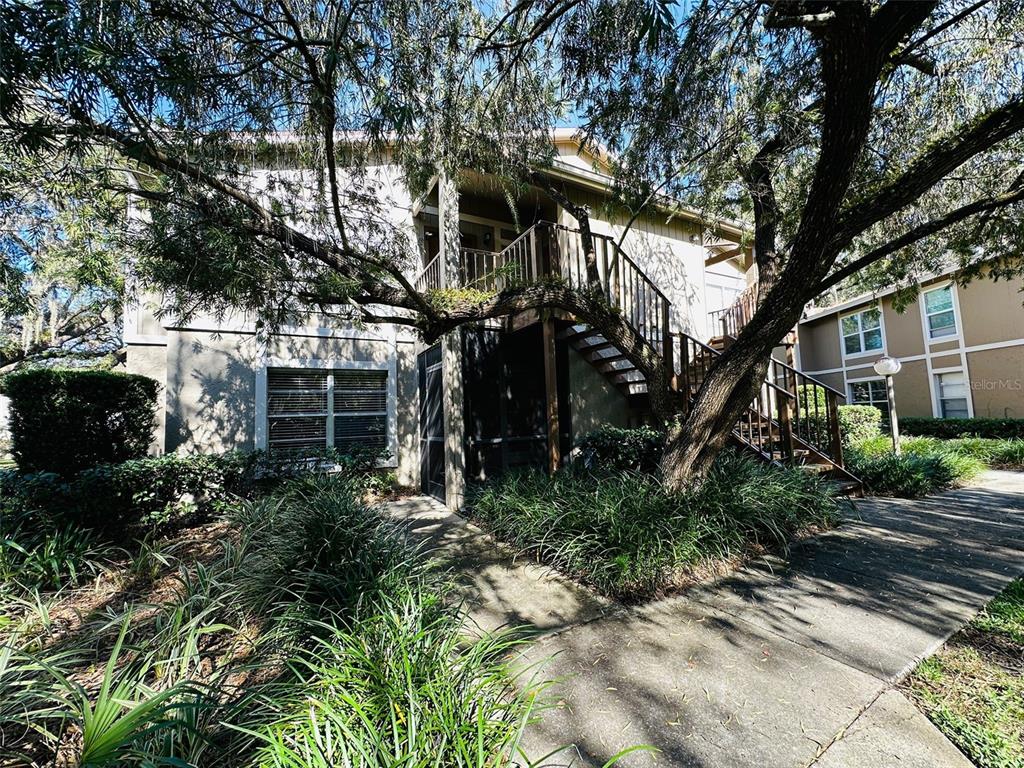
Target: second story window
<point x="939" y="313"/>
<point x="862" y="332"/>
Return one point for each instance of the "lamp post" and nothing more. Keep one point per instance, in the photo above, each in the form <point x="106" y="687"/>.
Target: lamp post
<point x="889" y="367"/>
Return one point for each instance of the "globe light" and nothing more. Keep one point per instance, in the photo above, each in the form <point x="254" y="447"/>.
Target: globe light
<point x="888" y="366"/>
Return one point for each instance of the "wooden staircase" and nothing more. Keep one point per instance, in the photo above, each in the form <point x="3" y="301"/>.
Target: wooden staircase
<point x="793" y="420"/>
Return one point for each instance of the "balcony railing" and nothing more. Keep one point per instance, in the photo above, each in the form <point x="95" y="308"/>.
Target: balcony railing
<point x="554" y="250"/>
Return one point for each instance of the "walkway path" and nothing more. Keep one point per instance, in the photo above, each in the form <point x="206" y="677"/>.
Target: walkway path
<point x="791" y="666"/>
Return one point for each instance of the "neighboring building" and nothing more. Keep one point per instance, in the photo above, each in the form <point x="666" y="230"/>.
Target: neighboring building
<point x="494" y="395"/>
<point x="962" y="348"/>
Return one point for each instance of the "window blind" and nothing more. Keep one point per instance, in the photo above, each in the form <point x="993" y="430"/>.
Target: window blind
<point x="310" y="409"/>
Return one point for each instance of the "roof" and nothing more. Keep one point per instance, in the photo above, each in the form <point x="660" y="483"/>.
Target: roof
<point x="871" y="296"/>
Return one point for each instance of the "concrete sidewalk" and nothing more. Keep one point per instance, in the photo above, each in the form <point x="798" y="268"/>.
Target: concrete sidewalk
<point x="784" y="666"/>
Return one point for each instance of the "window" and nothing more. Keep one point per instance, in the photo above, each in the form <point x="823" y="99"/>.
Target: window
<point x="952" y="389"/>
<point x="870" y="393"/>
<point x="939" y="314"/>
<point x="313" y="408"/>
<point x="862" y="332"/>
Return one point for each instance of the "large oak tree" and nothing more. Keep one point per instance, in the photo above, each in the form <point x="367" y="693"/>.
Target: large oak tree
<point x="859" y="138"/>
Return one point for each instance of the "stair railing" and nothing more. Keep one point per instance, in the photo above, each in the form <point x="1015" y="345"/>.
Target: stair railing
<point x="641" y="303"/>
<point x="792" y="412"/>
<point x="767" y="424"/>
<point x="730" y="321"/>
<point x="816" y="409"/>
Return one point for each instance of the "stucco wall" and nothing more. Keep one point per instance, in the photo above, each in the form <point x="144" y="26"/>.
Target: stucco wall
<point x="593" y="401"/>
<point x="211" y="392"/>
<point x="992" y="311"/>
<point x="997" y="382"/>
<point x="819" y="345"/>
<point x="912" y="388"/>
<point x="211" y="387"/>
<point x="151" y="361"/>
<point x="903" y="334"/>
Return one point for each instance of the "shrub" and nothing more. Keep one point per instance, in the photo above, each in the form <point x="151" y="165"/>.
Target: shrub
<point x="403" y="687"/>
<point x="859" y="423"/>
<point x="615" y="449"/>
<point x="923" y="468"/>
<point x="315" y="539"/>
<point x="64" y="421"/>
<point x="625" y="535"/>
<point x="153" y="491"/>
<point x="949" y="428"/>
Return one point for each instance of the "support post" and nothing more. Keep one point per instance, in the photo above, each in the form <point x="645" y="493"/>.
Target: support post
<point x="551" y="392"/>
<point x="451" y="348"/>
<point x="894" y="423"/>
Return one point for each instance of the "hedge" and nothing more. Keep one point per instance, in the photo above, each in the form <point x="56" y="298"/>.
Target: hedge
<point x="950" y="428"/>
<point x="858" y="423"/>
<point x="167" y="490"/>
<point x="614" y="449"/>
<point x="64" y="421"/>
<point x="154" y="491"/>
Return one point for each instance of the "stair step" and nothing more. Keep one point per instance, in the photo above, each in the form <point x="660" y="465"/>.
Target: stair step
<point x="847" y="488"/>
<point x="591" y="342"/>
<point x="575" y="331"/>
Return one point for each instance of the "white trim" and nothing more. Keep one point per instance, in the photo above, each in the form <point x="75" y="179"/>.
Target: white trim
<point x="860" y="333"/>
<point x="957" y="324"/>
<point x="390" y="365"/>
<point x="942" y="353"/>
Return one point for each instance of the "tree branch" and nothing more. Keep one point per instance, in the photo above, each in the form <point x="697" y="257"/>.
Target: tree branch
<point x="919" y="233"/>
<point x="930" y="167"/>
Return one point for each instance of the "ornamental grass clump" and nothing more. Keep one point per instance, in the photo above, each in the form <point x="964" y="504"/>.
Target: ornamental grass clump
<point x="926" y="465"/>
<point x="625" y="535"/>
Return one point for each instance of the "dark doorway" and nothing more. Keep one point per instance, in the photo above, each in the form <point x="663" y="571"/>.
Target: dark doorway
<point x="505" y="400"/>
<point x="431" y="423"/>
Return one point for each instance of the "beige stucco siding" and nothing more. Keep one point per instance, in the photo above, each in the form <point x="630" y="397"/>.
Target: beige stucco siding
<point x="903" y="334"/>
<point x="997" y="382"/>
<point x="211" y="392"/>
<point x="819" y="345"/>
<point x="913" y="393"/>
<point x="593" y="401"/>
<point x="151" y="361"/>
<point x="834" y="380"/>
<point x="992" y="311"/>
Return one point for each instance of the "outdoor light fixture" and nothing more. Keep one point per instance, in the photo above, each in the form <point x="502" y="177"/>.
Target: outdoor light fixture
<point x="888" y="367"/>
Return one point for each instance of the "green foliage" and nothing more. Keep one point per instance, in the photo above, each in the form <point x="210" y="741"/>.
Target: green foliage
<point x="623" y="534"/>
<point x="152" y="492"/>
<point x="316" y="631"/>
<point x="923" y="468"/>
<point x="38" y="553"/>
<point x="318" y="541"/>
<point x="65" y="420"/>
<point x="1005" y="614"/>
<point x="617" y="449"/>
<point x="402" y="686"/>
<point x="859" y="423"/>
<point x="950" y="428"/>
<point x="973" y="688"/>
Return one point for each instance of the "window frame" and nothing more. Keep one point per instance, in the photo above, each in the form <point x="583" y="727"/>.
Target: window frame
<point x="860" y="332"/>
<point x="925" y="315"/>
<point x="388" y="365"/>
<point x="850" y="383"/>
<point x="937" y="375"/>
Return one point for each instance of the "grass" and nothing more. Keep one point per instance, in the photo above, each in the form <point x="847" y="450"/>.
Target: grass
<point x="305" y="629"/>
<point x="973" y="688"/>
<point x="927" y="465"/>
<point x="622" y="534"/>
